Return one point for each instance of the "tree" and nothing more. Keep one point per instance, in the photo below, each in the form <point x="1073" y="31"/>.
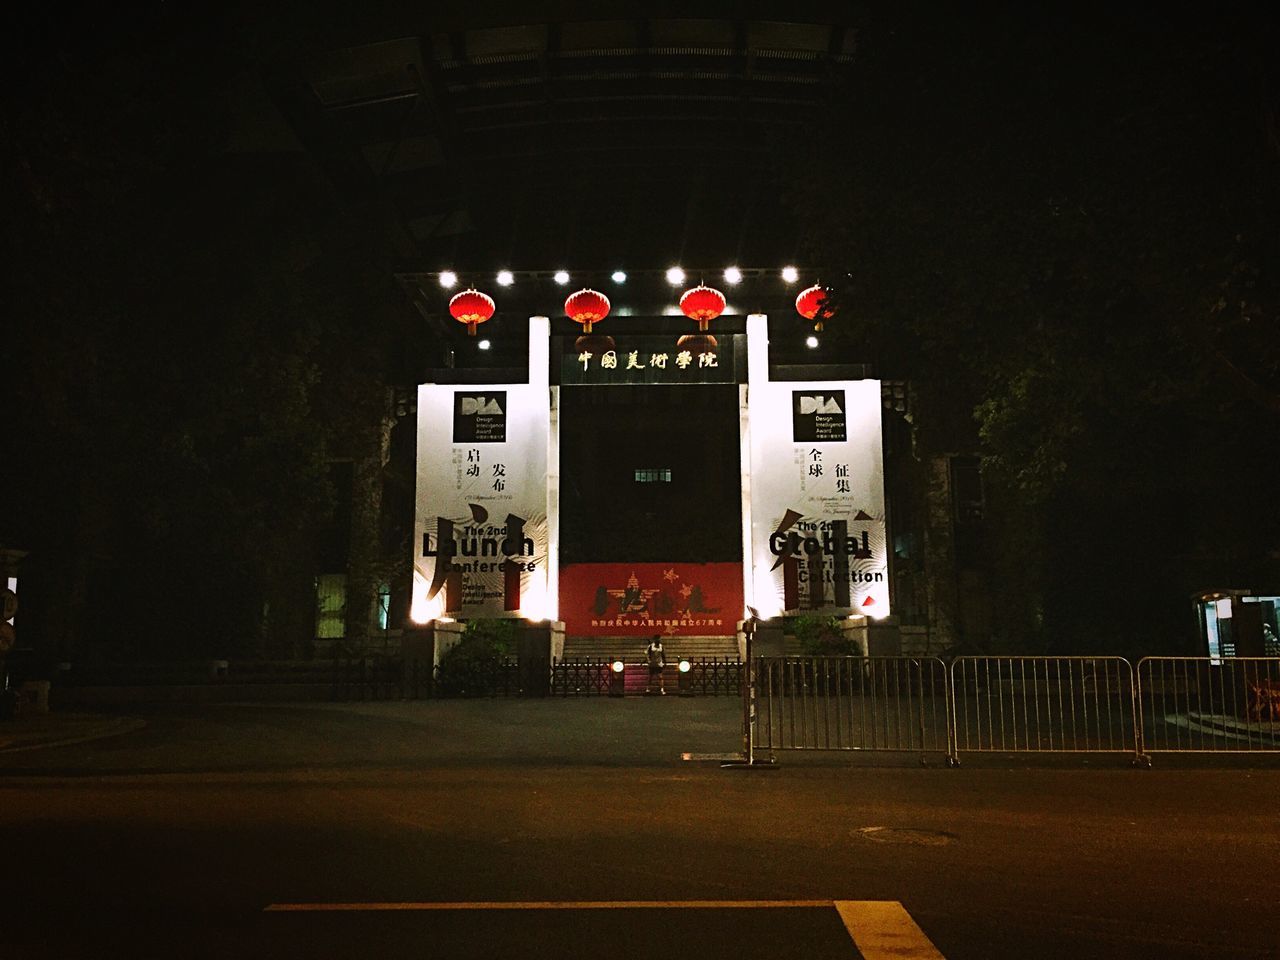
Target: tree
<point x="1059" y="232"/>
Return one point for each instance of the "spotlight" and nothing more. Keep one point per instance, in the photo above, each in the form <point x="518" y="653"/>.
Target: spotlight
<point x="811" y="342"/>
<point x="448" y="279"/>
<point x="506" y="278"/>
<point x="619" y="277"/>
<point x="675" y="276"/>
<point x="790" y="274"/>
<point x="684" y="681"/>
<point x="732" y="275"/>
<point x="483" y="344"/>
<point x="561" y="277"/>
<point x="618" y="679"/>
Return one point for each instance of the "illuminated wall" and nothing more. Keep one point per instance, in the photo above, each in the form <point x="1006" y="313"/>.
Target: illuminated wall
<point x="484" y="495"/>
<point x="814" y="491"/>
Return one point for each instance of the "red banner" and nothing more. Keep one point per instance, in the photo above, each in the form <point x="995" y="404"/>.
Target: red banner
<point x="641" y="599"/>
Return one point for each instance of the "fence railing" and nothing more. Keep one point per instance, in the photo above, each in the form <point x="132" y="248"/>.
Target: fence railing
<point x="1043" y="705"/>
<point x="581" y="677"/>
<point x="852" y="703"/>
<point x="916" y="704"/>
<point x="1201" y="705"/>
<point x="382" y="678"/>
<point x="711" y="677"/>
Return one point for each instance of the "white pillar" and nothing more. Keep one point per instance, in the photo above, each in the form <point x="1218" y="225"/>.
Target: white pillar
<point x="757" y="372"/>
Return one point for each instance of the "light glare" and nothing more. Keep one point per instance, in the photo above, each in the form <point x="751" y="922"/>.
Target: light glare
<point x="790" y="274"/>
<point x="483" y="344"/>
<point x="619" y="277"/>
<point x="675" y="276"/>
<point x="562" y="277"/>
<point x="506" y="278"/>
<point x="811" y="342"/>
<point x="448" y="279"/>
<point x="732" y="275"/>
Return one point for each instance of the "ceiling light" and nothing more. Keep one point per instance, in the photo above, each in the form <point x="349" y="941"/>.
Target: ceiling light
<point x="675" y="276"/>
<point x="810" y="341"/>
<point x="483" y="344"/>
<point x="561" y="277"/>
<point x="790" y="274"/>
<point x="732" y="275"/>
<point x="619" y="277"/>
<point x="506" y="278"/>
<point x="448" y="279"/>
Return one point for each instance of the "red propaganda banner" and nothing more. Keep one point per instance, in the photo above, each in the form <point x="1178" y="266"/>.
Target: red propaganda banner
<point x="641" y="599"/>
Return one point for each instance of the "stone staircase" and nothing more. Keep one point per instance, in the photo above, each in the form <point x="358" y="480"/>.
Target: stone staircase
<point x="631" y="650"/>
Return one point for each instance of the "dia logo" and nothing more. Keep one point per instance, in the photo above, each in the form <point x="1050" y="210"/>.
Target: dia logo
<point x="817" y="403"/>
<point x="818" y="417"/>
<point x="480" y="417"/>
<point x="471" y="405"/>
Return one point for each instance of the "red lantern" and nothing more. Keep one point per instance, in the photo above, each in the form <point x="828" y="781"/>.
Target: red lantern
<point x="703" y="304"/>
<point x="471" y="307"/>
<point x="812" y="305"/>
<point x="586" y="307"/>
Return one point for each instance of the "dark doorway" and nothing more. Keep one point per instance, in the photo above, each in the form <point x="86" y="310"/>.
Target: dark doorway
<point x="650" y="474"/>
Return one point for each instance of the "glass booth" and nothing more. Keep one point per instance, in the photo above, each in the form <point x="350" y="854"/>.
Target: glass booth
<point x="1237" y="623"/>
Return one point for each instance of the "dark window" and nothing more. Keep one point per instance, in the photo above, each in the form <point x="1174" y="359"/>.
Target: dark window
<point x="653" y="475"/>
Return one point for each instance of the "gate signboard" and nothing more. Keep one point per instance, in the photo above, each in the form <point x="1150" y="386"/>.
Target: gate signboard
<point x="816" y="492"/>
<point x="481" y="533"/>
<point x="641" y="599"/>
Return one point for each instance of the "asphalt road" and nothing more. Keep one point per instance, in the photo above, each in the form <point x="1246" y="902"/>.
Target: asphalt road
<point x="199" y="834"/>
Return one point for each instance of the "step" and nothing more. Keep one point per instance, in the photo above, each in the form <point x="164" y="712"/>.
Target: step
<point x="628" y="649"/>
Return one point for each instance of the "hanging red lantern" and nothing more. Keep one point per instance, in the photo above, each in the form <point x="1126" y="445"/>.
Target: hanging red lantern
<point x="812" y="305"/>
<point x="589" y="307"/>
<point x="472" y="308"/>
<point x="703" y="304"/>
<point x="586" y="307"/>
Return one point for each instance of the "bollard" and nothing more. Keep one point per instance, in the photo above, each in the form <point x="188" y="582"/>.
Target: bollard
<point x="617" y="679"/>
<point x="685" y="684"/>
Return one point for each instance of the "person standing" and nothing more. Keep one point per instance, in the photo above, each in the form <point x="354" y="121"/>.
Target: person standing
<point x="657" y="657"/>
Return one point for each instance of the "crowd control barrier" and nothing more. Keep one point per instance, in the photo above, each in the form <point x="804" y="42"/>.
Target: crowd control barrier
<point x="1209" y="705"/>
<point x="1043" y="705"/>
<point x="852" y="703"/>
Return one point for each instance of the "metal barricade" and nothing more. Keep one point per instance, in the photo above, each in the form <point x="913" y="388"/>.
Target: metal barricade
<point x="1043" y="705"/>
<point x="852" y="703"/>
<point x="1209" y="705"/>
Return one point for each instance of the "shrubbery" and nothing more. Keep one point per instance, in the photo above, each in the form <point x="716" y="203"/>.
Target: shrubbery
<point x="474" y="666"/>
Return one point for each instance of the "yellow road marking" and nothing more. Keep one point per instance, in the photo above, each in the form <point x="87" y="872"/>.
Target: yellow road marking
<point x="882" y="929"/>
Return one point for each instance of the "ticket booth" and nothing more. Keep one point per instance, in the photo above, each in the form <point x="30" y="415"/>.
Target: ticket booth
<point x="1237" y="623"/>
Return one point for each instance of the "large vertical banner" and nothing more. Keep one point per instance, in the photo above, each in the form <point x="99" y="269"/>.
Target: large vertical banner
<point x="481" y="526"/>
<point x="818" y="539"/>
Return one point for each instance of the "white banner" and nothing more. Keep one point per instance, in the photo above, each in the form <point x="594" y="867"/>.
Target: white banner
<point x="481" y="521"/>
<point x="817" y="497"/>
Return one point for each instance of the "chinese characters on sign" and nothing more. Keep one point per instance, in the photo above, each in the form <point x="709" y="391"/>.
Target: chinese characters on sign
<point x="651" y="360"/>
<point x="496" y="474"/>
<point x="609" y="360"/>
